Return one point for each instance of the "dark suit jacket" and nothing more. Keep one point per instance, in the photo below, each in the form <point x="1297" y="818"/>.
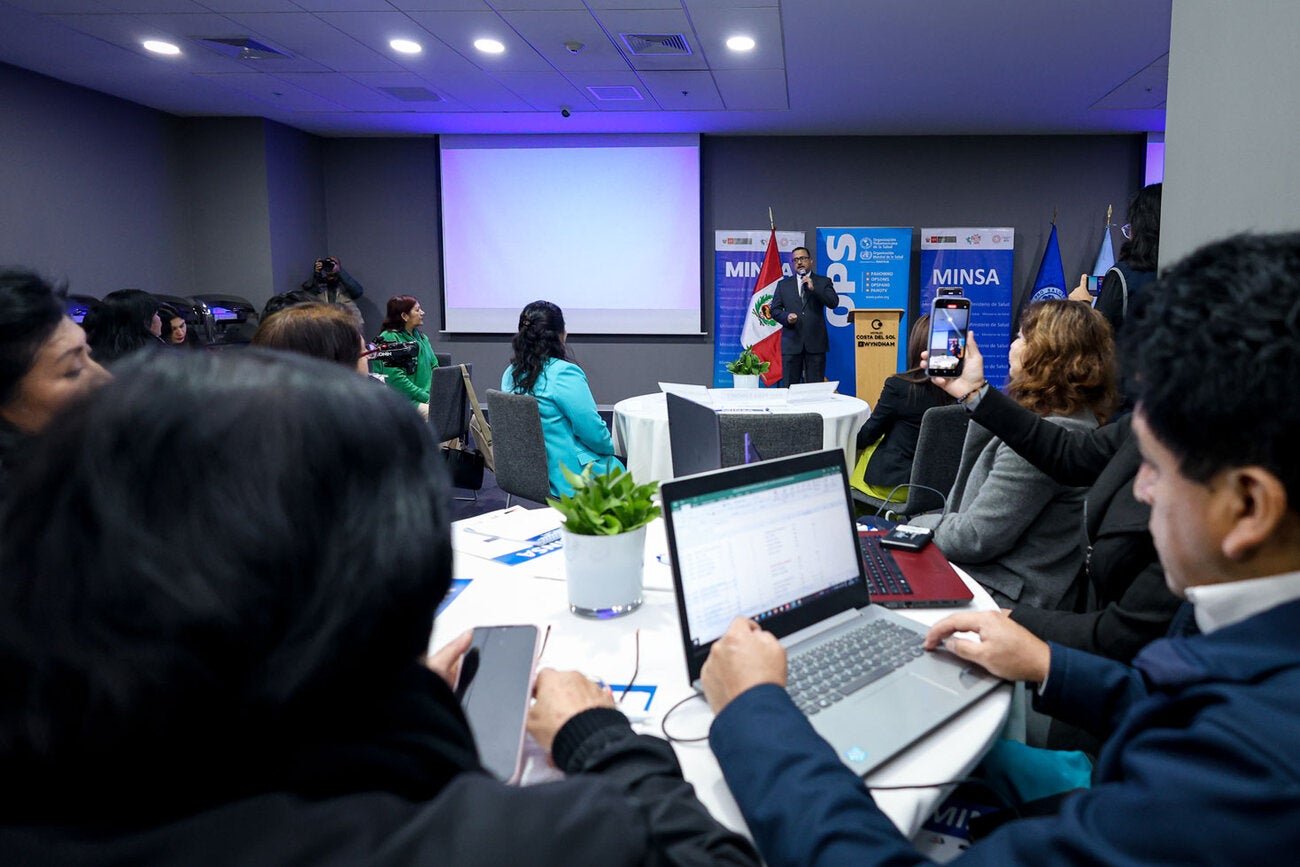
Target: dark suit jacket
<point x="808" y="334"/>
<point x="1132" y="606"/>
<point x="897" y="415"/>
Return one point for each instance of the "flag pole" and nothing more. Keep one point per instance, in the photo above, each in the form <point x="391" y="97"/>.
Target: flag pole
<point x="769" y="218"/>
<point x="1109" y="208"/>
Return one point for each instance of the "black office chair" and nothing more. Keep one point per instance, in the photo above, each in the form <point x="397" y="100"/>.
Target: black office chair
<point x="935" y="464"/>
<point x="449" y="408"/>
<point x="518" y="447"/>
<point x="771" y="435"/>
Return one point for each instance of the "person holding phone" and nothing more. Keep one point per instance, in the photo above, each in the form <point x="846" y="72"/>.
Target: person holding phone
<point x="240" y="677"/>
<point x="799" y="306"/>
<point x="1007" y="523"/>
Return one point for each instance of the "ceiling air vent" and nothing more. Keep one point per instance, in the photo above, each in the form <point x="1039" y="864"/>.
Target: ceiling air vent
<point x="614" y="92"/>
<point x="242" y="48"/>
<point x="643" y="44"/>
<point x="412" y="94"/>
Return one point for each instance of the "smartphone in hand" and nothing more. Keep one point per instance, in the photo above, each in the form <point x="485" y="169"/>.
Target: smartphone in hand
<point x="949" y="329"/>
<point x="495" y="689"/>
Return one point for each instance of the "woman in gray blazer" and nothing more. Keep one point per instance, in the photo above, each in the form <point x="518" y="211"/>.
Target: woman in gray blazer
<point x="1008" y="524"/>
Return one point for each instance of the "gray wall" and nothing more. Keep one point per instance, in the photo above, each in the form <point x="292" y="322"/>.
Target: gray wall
<point x="1232" y="119"/>
<point x="90" y="188"/>
<point x="112" y="194"/>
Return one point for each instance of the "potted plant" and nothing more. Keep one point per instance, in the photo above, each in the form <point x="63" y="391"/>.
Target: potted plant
<point x="604" y="540"/>
<point x="747" y="368"/>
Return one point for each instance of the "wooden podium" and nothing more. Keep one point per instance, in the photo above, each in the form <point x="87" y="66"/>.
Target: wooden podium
<point x="875" y="353"/>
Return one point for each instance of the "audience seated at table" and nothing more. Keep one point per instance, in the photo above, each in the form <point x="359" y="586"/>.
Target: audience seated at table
<point x="575" y="433"/>
<point x="325" y="331"/>
<point x="895" y="423"/>
<point x="1008" y="524"/>
<point x="44" y="363"/>
<point x="238" y="678"/>
<point x="1200" y="766"/>
<point x="1129" y="605"/>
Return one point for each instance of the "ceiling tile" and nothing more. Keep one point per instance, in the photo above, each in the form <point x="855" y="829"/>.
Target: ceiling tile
<point x="684" y="91"/>
<point x="459" y="30"/>
<point x="480" y="92"/>
<point x="311" y="37"/>
<point x="620" y="21"/>
<point x="375" y="29"/>
<point x="714" y="27"/>
<point x="752" y="89"/>
<point x="274" y="91"/>
<point x="545" y="91"/>
<point x="548" y="31"/>
<point x="598" y="79"/>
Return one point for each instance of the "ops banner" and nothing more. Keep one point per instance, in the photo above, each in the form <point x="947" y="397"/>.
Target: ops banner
<point x="869" y="267"/>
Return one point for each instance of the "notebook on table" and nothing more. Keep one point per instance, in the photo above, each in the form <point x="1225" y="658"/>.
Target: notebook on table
<point x="776" y="541"/>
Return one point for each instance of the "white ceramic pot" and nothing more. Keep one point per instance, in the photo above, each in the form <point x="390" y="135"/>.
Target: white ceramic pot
<point x="604" y="573"/>
<point x="743" y="380"/>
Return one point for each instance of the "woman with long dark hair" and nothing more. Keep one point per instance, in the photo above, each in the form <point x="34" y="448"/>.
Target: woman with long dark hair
<point x="401" y="323"/>
<point x="122" y="322"/>
<point x="1138" y="257"/>
<point x="44" y="362"/>
<point x="575" y="433"/>
<point x="895" y="422"/>
<point x="1007" y="523"/>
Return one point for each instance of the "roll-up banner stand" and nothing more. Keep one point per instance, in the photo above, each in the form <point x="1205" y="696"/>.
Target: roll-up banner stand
<point x="980" y="263"/>
<point x="869" y="267"/>
<point x="737" y="258"/>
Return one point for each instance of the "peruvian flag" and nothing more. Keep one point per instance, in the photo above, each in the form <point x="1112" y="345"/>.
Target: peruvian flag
<point x="762" y="333"/>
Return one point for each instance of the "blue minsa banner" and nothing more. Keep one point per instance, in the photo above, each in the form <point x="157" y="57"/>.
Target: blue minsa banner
<point x="979" y="262"/>
<point x="737" y="258"/>
<point x="869" y="267"/>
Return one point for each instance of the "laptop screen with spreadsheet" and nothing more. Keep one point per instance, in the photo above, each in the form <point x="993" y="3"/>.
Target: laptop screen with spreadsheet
<point x="773" y="541"/>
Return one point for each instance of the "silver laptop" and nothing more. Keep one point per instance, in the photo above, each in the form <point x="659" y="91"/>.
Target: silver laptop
<point x="775" y="541"/>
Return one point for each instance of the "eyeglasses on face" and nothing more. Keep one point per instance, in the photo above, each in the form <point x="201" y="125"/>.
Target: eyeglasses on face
<point x="803" y="258"/>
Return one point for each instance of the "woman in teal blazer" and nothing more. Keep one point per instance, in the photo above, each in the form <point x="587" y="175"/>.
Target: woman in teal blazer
<point x="575" y="433"/>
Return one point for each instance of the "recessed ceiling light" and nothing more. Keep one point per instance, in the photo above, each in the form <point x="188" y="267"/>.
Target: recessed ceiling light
<point x="405" y="46"/>
<point x="740" y="43"/>
<point x="157" y="46"/>
<point x="489" y="46"/>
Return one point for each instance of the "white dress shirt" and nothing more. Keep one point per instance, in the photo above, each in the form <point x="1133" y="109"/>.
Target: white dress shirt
<point x="1220" y="605"/>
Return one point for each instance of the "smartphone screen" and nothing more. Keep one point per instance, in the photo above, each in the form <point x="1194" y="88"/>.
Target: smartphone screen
<point x="1094" y="285"/>
<point x="495" y="690"/>
<point x="949" y="325"/>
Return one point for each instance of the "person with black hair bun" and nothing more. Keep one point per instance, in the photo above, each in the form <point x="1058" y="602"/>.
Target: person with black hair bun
<point x="44" y="362"/>
<point x="576" y="436"/>
<point x="121" y="323"/>
<point x="240" y="677"/>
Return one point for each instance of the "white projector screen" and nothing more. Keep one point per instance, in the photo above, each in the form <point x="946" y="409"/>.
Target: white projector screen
<point x="607" y="227"/>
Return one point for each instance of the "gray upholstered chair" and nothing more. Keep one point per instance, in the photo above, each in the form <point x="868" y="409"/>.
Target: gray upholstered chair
<point x="517" y="446"/>
<point x="448" y="402"/>
<point x="771" y="435"/>
<point x="935" y="465"/>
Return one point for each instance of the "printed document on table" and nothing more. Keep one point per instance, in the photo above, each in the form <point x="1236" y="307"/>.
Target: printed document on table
<point x="511" y="536"/>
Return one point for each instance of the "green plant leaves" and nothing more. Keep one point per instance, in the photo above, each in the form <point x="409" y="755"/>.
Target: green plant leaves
<point x="605" y="504"/>
<point x="748" y="364"/>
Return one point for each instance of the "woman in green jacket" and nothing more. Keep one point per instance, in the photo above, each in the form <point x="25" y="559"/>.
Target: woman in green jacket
<point x="403" y="318"/>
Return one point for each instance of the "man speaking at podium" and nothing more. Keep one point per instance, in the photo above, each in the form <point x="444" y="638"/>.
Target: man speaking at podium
<point x="799" y="306"/>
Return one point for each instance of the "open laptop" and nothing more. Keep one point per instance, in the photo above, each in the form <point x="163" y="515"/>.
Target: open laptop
<point x="694" y="436"/>
<point x="910" y="579"/>
<point x="775" y="541"/>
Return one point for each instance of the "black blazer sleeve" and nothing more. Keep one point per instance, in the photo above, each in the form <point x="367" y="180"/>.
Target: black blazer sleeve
<point x="1070" y="457"/>
<point x="824" y="290"/>
<point x="883" y="413"/>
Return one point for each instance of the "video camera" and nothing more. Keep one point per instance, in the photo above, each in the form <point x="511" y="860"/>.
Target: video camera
<point x="399" y="356"/>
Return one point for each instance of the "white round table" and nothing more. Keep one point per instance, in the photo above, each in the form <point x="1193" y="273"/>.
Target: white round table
<point x="641" y="429"/>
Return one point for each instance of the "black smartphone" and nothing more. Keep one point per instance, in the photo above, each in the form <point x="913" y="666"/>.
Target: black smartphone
<point x="495" y="689"/>
<point x="1094" y="284"/>
<point x="949" y="327"/>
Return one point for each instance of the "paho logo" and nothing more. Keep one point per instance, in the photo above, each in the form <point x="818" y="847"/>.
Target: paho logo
<point x="973" y="239"/>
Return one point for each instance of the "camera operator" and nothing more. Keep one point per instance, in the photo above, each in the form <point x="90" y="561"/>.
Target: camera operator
<point x="403" y="317"/>
<point x="331" y="284"/>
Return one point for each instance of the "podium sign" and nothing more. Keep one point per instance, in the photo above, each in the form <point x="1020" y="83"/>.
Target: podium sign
<point x="876" y="340"/>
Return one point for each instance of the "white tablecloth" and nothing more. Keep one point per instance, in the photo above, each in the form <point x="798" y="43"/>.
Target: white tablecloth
<point x="534" y="592"/>
<point x="641" y="429"/>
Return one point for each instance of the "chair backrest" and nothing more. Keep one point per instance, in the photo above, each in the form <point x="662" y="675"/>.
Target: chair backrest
<point x="448" y="402"/>
<point x="518" y="446"/>
<point x="444" y="358"/>
<point x="773" y="435"/>
<point x="938" y="457"/>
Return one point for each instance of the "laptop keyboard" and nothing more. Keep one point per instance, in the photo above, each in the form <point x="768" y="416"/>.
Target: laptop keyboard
<point x="828" y="672"/>
<point x="884" y="578"/>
